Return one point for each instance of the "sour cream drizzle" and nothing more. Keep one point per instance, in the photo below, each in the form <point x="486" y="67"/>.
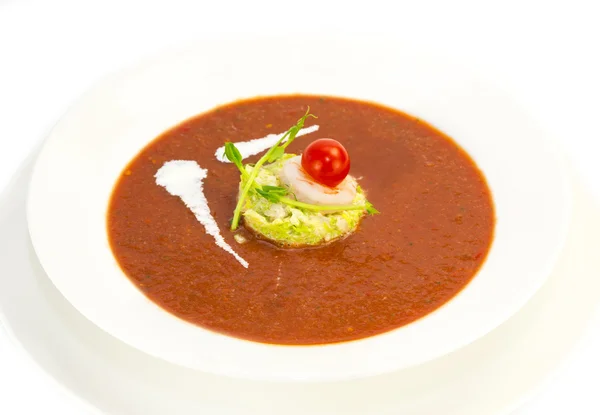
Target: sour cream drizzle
<point x="253" y="147"/>
<point x="183" y="178"/>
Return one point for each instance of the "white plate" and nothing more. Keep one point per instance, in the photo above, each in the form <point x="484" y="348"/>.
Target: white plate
<point x="90" y="146"/>
<point x="489" y="377"/>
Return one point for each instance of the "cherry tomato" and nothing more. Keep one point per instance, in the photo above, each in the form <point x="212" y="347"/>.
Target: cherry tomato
<point x="326" y="161"/>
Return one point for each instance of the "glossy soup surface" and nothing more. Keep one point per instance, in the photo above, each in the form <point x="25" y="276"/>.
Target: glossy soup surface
<point x="433" y="233"/>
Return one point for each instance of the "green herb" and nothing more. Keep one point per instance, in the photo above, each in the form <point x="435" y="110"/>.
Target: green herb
<point x="319" y="208"/>
<point x="272" y="193"/>
<point x="278" y="194"/>
<point x="371" y="209"/>
<point x="279" y="149"/>
<point x="234" y="156"/>
<point x="277" y="153"/>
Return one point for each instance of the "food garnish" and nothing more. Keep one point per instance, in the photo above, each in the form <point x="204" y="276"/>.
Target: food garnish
<point x="281" y="194"/>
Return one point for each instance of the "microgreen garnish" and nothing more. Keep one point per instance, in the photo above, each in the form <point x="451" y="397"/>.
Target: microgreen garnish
<point x="272" y="193"/>
<point x="234" y="156"/>
<point x="325" y="208"/>
<point x="279" y="149"/>
<point x="277" y="194"/>
<point x="371" y="209"/>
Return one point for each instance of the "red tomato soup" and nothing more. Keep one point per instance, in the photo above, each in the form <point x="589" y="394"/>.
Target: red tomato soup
<point x="431" y="236"/>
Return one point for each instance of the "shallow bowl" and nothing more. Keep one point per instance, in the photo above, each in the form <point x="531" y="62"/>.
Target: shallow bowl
<point x="87" y="150"/>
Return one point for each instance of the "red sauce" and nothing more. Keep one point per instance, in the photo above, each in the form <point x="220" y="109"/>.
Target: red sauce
<point x="432" y="235"/>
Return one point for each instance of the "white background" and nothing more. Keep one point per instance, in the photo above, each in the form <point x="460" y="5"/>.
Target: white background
<point x="546" y="52"/>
